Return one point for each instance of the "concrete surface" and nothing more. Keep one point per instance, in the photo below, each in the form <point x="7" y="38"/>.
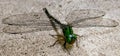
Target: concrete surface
<point x="96" y="41"/>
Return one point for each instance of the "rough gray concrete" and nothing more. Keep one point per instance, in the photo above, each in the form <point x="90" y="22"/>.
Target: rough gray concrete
<point x="96" y="41"/>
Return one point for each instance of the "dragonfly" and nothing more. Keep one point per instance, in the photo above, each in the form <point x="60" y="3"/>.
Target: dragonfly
<point x="29" y="22"/>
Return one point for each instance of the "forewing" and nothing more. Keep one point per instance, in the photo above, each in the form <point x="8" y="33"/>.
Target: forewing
<point x="81" y="15"/>
<point x="98" y="22"/>
<point x="29" y="22"/>
<point x="89" y="18"/>
<point x="29" y="19"/>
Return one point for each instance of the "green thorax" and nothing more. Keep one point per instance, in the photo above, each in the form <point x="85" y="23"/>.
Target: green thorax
<point x="70" y="37"/>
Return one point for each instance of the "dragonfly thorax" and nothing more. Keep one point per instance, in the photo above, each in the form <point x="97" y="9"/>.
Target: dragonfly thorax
<point x="70" y="37"/>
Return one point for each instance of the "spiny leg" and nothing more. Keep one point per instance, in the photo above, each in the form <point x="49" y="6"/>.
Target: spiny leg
<point x="77" y="40"/>
<point x="77" y="43"/>
<point x="66" y="48"/>
<point x="78" y="35"/>
<point x="64" y="45"/>
<point x="58" y="35"/>
<point x="56" y="38"/>
<point x="53" y="36"/>
<point x="60" y="39"/>
<point x="54" y="43"/>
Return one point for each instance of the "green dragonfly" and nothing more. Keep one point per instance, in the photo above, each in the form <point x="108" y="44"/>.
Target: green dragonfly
<point x="23" y="23"/>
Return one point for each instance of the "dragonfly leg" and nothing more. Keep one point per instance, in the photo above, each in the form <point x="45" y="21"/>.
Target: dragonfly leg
<point x="53" y="43"/>
<point x="77" y="43"/>
<point x="66" y="48"/>
<point x="58" y="39"/>
<point x="77" y="40"/>
<point x="64" y="45"/>
<point x="68" y="51"/>
<point x="54" y="36"/>
<point x="78" y="35"/>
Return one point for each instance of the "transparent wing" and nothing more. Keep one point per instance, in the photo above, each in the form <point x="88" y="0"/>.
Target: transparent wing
<point x="23" y="29"/>
<point x="77" y="16"/>
<point x="99" y="22"/>
<point x="23" y="23"/>
<point x="30" y="19"/>
<point x="89" y="18"/>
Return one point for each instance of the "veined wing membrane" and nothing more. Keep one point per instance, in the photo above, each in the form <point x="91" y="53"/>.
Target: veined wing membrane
<point x="98" y="22"/>
<point x="76" y="16"/>
<point x="30" y="19"/>
<point x="89" y="18"/>
<point x="24" y="29"/>
<point x="23" y="23"/>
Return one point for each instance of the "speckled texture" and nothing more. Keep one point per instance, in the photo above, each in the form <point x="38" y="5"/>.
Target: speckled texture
<point x="95" y="41"/>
